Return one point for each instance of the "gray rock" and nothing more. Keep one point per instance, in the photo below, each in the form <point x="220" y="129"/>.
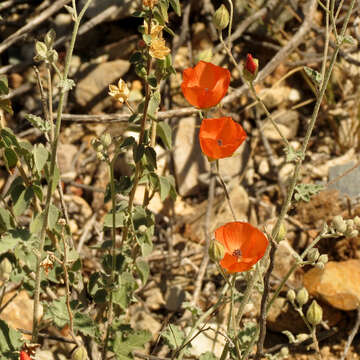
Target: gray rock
<point x="174" y="298"/>
<point x="348" y="184"/>
<point x="91" y="90"/>
<point x="124" y="8"/>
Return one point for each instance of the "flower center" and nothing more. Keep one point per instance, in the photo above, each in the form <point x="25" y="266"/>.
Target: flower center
<point x="206" y="89"/>
<point x="237" y="253"/>
<point x="219" y="141"/>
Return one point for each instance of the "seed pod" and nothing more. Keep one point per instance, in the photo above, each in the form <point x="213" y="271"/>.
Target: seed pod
<point x="79" y="354"/>
<point x="221" y="18"/>
<point x="313" y="255"/>
<point x="339" y="224"/>
<point x="357" y="221"/>
<point x="106" y="139"/>
<point x="302" y="297"/>
<point x="314" y="313"/>
<point x="216" y="251"/>
<point x="284" y="351"/>
<point x="290" y="295"/>
<point x="301" y="337"/>
<point x="5" y="269"/>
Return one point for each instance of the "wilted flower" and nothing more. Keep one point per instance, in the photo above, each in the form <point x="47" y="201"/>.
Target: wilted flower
<point x="219" y="138"/>
<point x="155" y="31"/>
<point x="158" y="49"/>
<point x="120" y="92"/>
<point x="150" y="3"/>
<point x="205" y="85"/>
<point x="244" y="245"/>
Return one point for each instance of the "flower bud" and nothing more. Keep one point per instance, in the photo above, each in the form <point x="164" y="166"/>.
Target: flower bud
<point x="52" y="56"/>
<point x="357" y="221"/>
<point x="221" y="18"/>
<point x="339" y="224"/>
<point x="284" y="351"/>
<point x="5" y="269"/>
<point x="79" y="354"/>
<point x="106" y="139"/>
<point x="251" y="68"/>
<point x="291" y="296"/>
<point x="216" y="251"/>
<point x="323" y="259"/>
<point x="313" y="255"/>
<point x="314" y="313"/>
<point x="282" y="233"/>
<point x="350" y="233"/>
<point x="302" y="296"/>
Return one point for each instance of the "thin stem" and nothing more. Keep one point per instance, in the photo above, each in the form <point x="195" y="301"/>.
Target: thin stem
<point x="225" y="190"/>
<point x="230" y="23"/>
<point x="113" y="257"/>
<point x="50" y="103"/>
<point x="54" y="146"/>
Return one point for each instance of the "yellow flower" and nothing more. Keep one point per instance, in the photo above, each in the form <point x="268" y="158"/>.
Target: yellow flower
<point x="120" y="92"/>
<point x="150" y="3"/>
<point x="158" y="49"/>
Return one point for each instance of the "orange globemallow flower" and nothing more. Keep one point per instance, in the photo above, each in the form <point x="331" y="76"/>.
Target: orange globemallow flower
<point x="244" y="245"/>
<point x="205" y="85"/>
<point x="219" y="138"/>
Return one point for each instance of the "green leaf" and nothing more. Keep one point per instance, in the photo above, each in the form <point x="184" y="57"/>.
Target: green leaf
<point x="163" y="130"/>
<point x="4" y="86"/>
<point x="23" y="201"/>
<point x="147" y="38"/>
<point x="164" y="10"/>
<point x="173" y="336"/>
<point x="164" y="187"/>
<point x="138" y="152"/>
<point x="53" y="217"/>
<point x="11" y="158"/>
<point x="126" y="342"/>
<point x="152" y="81"/>
<point x="123" y="294"/>
<point x="12" y="239"/>
<point x="305" y="191"/>
<point x="150" y="154"/>
<point x="143" y="269"/>
<point x="154" y="104"/>
<point x="85" y="324"/>
<point x="5" y="104"/>
<point x="38" y="191"/>
<point x="175" y="4"/>
<point x="38" y="122"/>
<point x="6" y="221"/>
<point x="41" y="155"/>
<point x="9" y="137"/>
<point x="37" y="223"/>
<point x="314" y="75"/>
<point x="119" y="219"/>
<point x="10" y="341"/>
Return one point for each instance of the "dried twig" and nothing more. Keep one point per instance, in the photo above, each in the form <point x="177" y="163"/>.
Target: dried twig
<point x="32" y="24"/>
<point x="352" y="334"/>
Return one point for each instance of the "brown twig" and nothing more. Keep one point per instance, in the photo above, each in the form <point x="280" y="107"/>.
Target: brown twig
<point x="352" y="334"/>
<point x="262" y="320"/>
<point x="32" y="24"/>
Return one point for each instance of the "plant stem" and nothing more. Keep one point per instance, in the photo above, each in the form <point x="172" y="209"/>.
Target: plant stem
<point x="54" y="146"/>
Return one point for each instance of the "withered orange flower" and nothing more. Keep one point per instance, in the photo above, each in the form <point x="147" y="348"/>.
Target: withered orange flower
<point x="244" y="245"/>
<point x="219" y="138"/>
<point x="205" y="85"/>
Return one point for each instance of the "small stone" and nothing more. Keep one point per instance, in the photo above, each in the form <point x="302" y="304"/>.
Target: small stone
<point x="287" y="122"/>
<point x="338" y="284"/>
<point x="264" y="167"/>
<point x="65" y="155"/>
<point x="348" y="184"/>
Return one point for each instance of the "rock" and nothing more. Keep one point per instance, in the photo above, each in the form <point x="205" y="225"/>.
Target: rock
<point x="338" y="284"/>
<point x="275" y="96"/>
<point x="78" y="206"/>
<point x="204" y="341"/>
<point x="287" y="121"/>
<point x="348" y="184"/>
<point x="19" y="313"/>
<point x="154" y="299"/>
<point x="141" y="320"/>
<point x="125" y="8"/>
<point x="284" y="260"/>
<point x="174" y="298"/>
<point x="286" y="171"/>
<point x="65" y="156"/>
<point x="189" y="161"/>
<point x="264" y="167"/>
<point x="44" y="355"/>
<point x="92" y="88"/>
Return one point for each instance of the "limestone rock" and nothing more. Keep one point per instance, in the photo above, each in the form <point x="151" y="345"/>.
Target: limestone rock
<point x="338" y="284"/>
<point x="93" y="87"/>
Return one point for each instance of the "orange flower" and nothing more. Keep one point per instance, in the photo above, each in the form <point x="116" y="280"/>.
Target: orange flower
<point x="244" y="245"/>
<point x="219" y="138"/>
<point x="205" y="85"/>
